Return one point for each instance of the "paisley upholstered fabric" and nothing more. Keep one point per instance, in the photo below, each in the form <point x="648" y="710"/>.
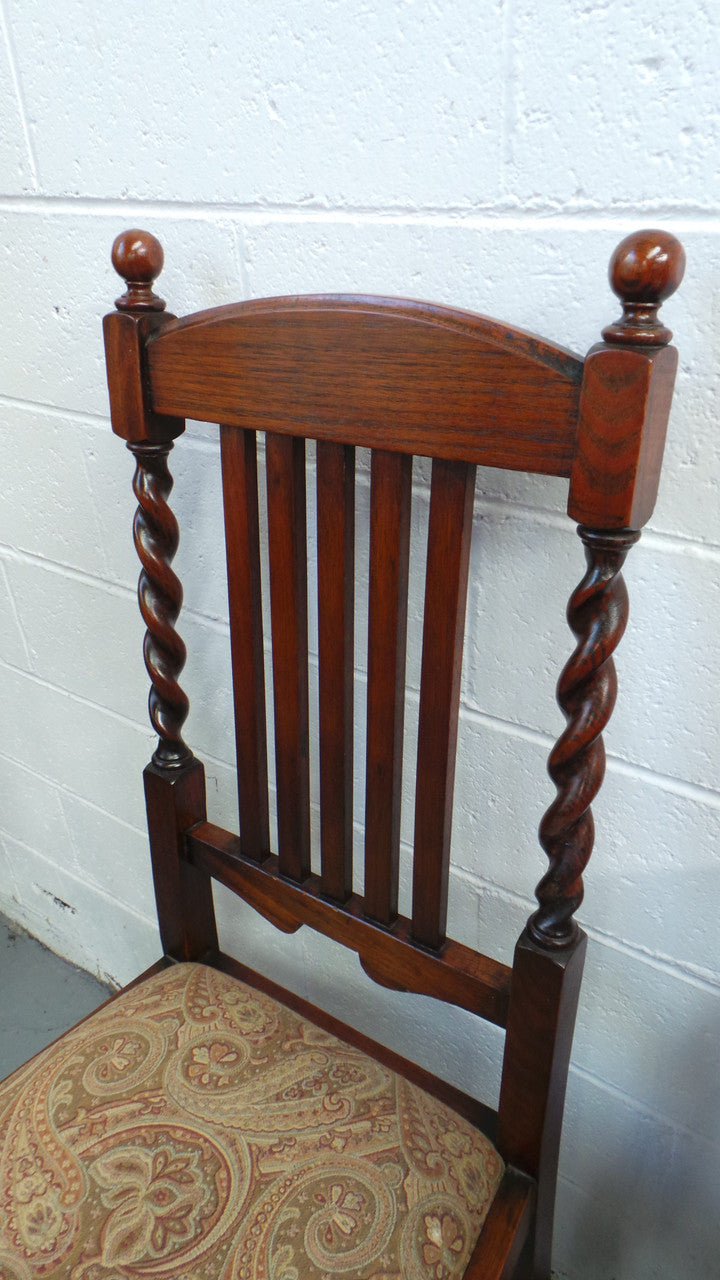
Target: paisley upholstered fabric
<point x="195" y="1129"/>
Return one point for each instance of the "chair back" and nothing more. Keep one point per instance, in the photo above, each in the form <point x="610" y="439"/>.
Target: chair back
<point x="401" y="379"/>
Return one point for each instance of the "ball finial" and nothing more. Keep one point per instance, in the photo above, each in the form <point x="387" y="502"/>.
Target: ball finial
<point x="138" y="257"/>
<point x="645" y="269"/>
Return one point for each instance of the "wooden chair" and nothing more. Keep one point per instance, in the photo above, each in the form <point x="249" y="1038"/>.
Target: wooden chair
<point x="194" y="1127"/>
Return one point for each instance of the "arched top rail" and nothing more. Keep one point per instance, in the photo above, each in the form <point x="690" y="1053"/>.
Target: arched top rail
<point x="385" y="373"/>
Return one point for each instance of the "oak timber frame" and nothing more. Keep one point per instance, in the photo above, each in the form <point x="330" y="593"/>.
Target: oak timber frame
<point x="400" y="378"/>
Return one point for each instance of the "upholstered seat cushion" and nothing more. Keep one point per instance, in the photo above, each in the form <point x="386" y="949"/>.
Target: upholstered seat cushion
<point x="195" y="1129"/>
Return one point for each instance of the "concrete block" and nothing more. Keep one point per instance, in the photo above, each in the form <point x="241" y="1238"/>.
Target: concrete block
<point x="632" y="1206"/>
<point x="667" y="662"/>
<point x="654" y="875"/>
<point x="110" y="469"/>
<point x="32" y="812"/>
<point x="78" y="922"/>
<point x="688" y="1240"/>
<point x="564" y="296"/>
<point x="470" y="263"/>
<point x="198" y="505"/>
<point x="196" y="500"/>
<point x="643" y="1025"/>
<point x="473" y="155"/>
<point x="54" y="286"/>
<point x="111" y="856"/>
<point x="16" y="161"/>
<point x="87" y="638"/>
<point x="13" y="649"/>
<point x="221" y="784"/>
<point x="251" y="939"/>
<point x="501" y="792"/>
<point x="688" y="499"/>
<point x="49" y="508"/>
<point x="91" y="752"/>
<point x="614" y="1151"/>
<point x="9" y="892"/>
<point x="522" y="575"/>
<point x="208" y="681"/>
<point x="595" y="1240"/>
<point x="378" y="106"/>
<point x="517" y="639"/>
<point x="655" y="112"/>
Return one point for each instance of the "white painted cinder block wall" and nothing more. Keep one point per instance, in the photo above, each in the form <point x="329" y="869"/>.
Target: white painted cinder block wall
<point x="489" y="154"/>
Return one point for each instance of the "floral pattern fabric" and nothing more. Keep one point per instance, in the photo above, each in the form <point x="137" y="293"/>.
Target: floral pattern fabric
<point x="196" y="1129"/>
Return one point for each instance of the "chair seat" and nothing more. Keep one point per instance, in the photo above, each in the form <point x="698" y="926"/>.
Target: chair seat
<point x="196" y="1129"/>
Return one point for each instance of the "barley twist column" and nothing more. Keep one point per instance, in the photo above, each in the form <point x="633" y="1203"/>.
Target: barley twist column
<point x="622" y="417"/>
<point x="597" y="614"/>
<point x="138" y="257"/>
<point x="155" y="531"/>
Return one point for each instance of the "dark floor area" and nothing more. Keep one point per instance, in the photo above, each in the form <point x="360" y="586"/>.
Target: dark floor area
<point x="40" y="996"/>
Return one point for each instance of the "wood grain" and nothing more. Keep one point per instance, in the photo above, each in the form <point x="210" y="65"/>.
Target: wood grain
<point x="386" y="373"/>
<point x="156" y="536"/>
<point x="285" y="461"/>
<point x="335" y="465"/>
<point x="131" y="415"/>
<point x="626" y="390"/>
<point x="448" y="555"/>
<point x="401" y="378"/>
<point x="390" y="489"/>
<point x="597" y="614"/>
<point x="238" y="451"/>
<point x="622" y="422"/>
<point x="456" y="974"/>
<point x="175" y="801"/>
<point x="541" y="1019"/>
<point x="505" y="1231"/>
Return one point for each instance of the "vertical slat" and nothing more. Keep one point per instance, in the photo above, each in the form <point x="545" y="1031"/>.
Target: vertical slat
<point x="285" y="458"/>
<point x="448" y="554"/>
<point x="336" y="562"/>
<point x="391" y="478"/>
<point x="239" y="468"/>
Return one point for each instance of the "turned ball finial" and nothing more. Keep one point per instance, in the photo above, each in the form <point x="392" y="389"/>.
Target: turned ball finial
<point x="645" y="269"/>
<point x="138" y="257"/>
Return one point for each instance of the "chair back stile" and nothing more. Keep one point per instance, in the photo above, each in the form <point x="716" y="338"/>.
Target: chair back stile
<point x="401" y="379"/>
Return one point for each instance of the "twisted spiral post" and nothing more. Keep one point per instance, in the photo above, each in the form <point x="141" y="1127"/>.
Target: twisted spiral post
<point x="597" y="614"/>
<point x="155" y="532"/>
